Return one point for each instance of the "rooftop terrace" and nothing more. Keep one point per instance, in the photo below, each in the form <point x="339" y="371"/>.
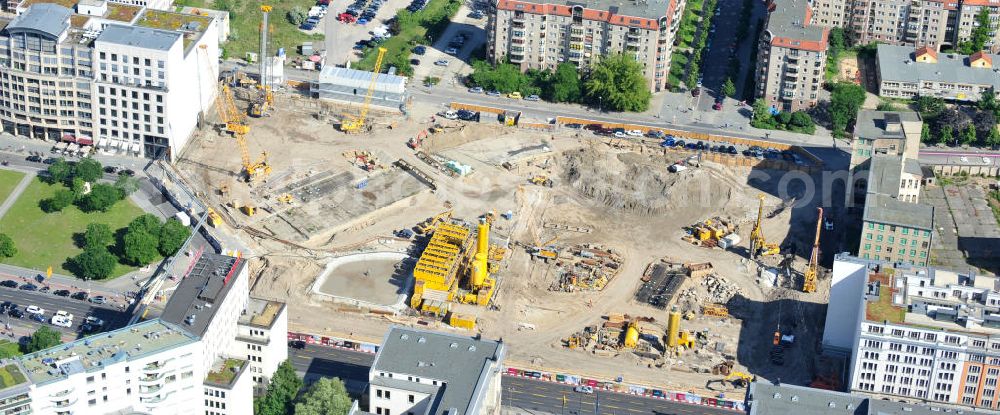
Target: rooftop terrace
<point x="11" y="375"/>
<point x="122" y="12"/>
<point x="193" y="26"/>
<point x="261" y="312"/>
<point x="225" y="371"/>
<point x="95" y="352"/>
<point x="69" y="4"/>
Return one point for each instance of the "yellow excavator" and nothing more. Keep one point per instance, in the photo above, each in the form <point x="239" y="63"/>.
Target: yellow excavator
<point x="428" y="225"/>
<point x="738" y="379"/>
<point x="357" y="124"/>
<point x="758" y="244"/>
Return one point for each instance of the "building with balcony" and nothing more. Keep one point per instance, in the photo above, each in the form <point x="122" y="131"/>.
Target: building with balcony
<point x="916" y="333"/>
<point x="791" y="57"/>
<point x="123" y="78"/>
<point x="542" y="34"/>
<point x="905" y="72"/>
<point x="419" y="372"/>
<point x="186" y="361"/>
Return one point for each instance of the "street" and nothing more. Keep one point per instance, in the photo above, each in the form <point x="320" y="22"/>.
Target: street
<point x="316" y="361"/>
<point x="113" y="318"/>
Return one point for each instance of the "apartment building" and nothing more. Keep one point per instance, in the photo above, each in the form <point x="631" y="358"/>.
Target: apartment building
<point x="895" y="133"/>
<point x="537" y="34"/>
<point x="262" y="332"/>
<point x="189" y="360"/>
<point x="916" y="332"/>
<point x="127" y="79"/>
<point x="418" y="372"/>
<point x="906" y="72"/>
<point x="765" y="398"/>
<point x="896" y="231"/>
<point x="791" y="56"/>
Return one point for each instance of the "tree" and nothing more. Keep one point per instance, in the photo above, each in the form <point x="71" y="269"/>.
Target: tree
<point x="126" y="184"/>
<point x="728" y="88"/>
<point x="993" y="139"/>
<point x="296" y="15"/>
<point x="60" y="170"/>
<point x="616" y="82"/>
<point x="564" y="84"/>
<point x="327" y="396"/>
<point x="94" y="263"/>
<point x="969" y="134"/>
<point x="141" y="247"/>
<point x="172" y="237"/>
<point x="980" y="33"/>
<point x="762" y="117"/>
<point x="988" y="102"/>
<point x="945" y="136"/>
<point x="145" y="223"/>
<point x="925" y="133"/>
<point x="59" y="201"/>
<point x="984" y="121"/>
<point x="78" y="187"/>
<point x="845" y="100"/>
<point x="504" y="77"/>
<point x="42" y="339"/>
<point x="952" y="118"/>
<point x="101" y="197"/>
<point x="88" y="170"/>
<point x="98" y="235"/>
<point x="278" y="400"/>
<point x="7" y="247"/>
<point x="929" y="107"/>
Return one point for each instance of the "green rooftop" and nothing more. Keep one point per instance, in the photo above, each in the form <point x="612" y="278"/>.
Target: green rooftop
<point x="10" y="375"/>
<point x="159" y="19"/>
<point x="122" y="12"/>
<point x="225" y="371"/>
<point x="884" y="310"/>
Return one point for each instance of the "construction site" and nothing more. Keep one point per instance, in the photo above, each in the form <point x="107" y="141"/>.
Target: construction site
<point x="586" y="254"/>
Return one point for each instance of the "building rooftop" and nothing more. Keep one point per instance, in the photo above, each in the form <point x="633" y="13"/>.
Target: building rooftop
<point x="788" y="24"/>
<point x="876" y="124"/>
<point x="360" y="79"/>
<point x="885" y="174"/>
<point x="51" y="19"/>
<point x="69" y="4"/>
<point x="612" y="11"/>
<point x="224" y="372"/>
<point x="11" y="375"/>
<point x="769" y="398"/>
<point x="191" y="25"/>
<point x="896" y="64"/>
<point x="100" y="350"/>
<point x="140" y="37"/>
<point x="261" y="313"/>
<point x="882" y="208"/>
<point x="462" y="363"/>
<point x="122" y="12"/>
<point x="196" y="298"/>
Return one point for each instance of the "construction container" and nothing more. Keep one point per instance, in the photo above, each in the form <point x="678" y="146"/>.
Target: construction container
<point x="183" y="218"/>
<point x="729" y="241"/>
<point x="462" y="321"/>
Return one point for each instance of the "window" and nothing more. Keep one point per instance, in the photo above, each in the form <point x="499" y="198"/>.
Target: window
<point x="378" y="393"/>
<point x="411" y="398"/>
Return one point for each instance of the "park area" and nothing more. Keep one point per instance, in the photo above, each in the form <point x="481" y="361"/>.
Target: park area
<point x="49" y="239"/>
<point x="8" y="181"/>
<point x="244" y="25"/>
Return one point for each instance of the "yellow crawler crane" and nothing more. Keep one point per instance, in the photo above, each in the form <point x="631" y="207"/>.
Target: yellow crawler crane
<point x="236" y="124"/>
<point x="480" y="284"/>
<point x="356" y="125"/>
<point x="809" y="282"/>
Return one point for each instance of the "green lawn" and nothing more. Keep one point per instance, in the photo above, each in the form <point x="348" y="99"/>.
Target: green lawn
<point x="8" y="181"/>
<point x="226" y="373"/>
<point x="244" y="25"/>
<point x="10" y="375"/>
<point x="9" y="349"/>
<point x="884" y="310"/>
<point x="46" y="239"/>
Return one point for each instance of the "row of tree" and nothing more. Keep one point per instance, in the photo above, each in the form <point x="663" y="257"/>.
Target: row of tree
<point x="142" y="241"/>
<point x="697" y="53"/>
<point x="615" y="83"/>
<point x="962" y="125"/>
<point x="326" y="396"/>
<point x="82" y="188"/>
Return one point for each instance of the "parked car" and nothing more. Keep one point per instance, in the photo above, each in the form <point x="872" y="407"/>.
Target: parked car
<point x="29" y="287"/>
<point x="49" y="160"/>
<point x="467" y="115"/>
<point x="15" y="312"/>
<point x="98" y="299"/>
<point x="441" y="62"/>
<point x="297" y="344"/>
<point x="33" y="309"/>
<point x="717" y="106"/>
<point x="92" y="324"/>
<point x="493" y="93"/>
<point x="37" y="317"/>
<point x="532" y="98"/>
<point x="80" y="295"/>
<point x="476" y="90"/>
<point x="451" y="51"/>
<point x="307" y="26"/>
<point x="514" y="95"/>
<point x="415" y="62"/>
<point x="110" y="169"/>
<point x="584" y="389"/>
<point x="126" y="172"/>
<point x="9" y="283"/>
<point x="44" y="289"/>
<point x="34" y="159"/>
<point x="61" y="293"/>
<point x="634" y="133"/>
<point x="420" y="50"/>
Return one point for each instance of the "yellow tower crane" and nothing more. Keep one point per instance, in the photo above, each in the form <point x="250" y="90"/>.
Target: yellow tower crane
<point x="236" y="124"/>
<point x="758" y="244"/>
<point x="355" y="125"/>
<point x="260" y="105"/>
<point x="809" y="282"/>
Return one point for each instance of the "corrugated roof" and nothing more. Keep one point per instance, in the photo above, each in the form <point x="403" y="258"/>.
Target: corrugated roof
<point x="361" y="79"/>
<point x="896" y="64"/>
<point x="768" y="398"/>
<point x="461" y="362"/>
<point x="140" y="37"/>
<point x="51" y="19"/>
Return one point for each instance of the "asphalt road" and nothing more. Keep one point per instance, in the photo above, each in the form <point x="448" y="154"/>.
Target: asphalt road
<point x="352" y="367"/>
<point x="112" y="317"/>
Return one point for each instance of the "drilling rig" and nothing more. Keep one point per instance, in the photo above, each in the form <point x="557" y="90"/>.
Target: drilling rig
<point x="265" y="98"/>
<point x="758" y="244"/>
<point x="809" y="282"/>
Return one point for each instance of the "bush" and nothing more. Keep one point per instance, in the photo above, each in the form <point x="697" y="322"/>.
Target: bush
<point x="59" y="201"/>
<point x="42" y="339"/>
<point x="172" y="237"/>
<point x="98" y="235"/>
<point x="7" y="248"/>
<point x="296" y="16"/>
<point x="140" y="248"/>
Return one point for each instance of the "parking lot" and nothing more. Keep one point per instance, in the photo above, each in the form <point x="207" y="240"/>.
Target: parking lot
<point x="340" y="36"/>
<point x="459" y="63"/>
<point x="112" y="317"/>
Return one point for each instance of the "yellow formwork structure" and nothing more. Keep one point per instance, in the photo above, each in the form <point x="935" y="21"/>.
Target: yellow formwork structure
<point x="438" y="265"/>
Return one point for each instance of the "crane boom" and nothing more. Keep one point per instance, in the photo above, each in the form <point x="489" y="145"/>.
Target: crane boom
<point x="757" y="234"/>
<point x="809" y="282"/>
<point x="358" y="123"/>
<point x="236" y="124"/>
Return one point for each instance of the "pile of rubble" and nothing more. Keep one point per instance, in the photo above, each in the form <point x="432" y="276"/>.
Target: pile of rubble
<point x="587" y="267"/>
<point x="719" y="290"/>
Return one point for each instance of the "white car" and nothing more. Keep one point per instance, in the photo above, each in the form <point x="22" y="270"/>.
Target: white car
<point x="64" y="314"/>
<point x="451" y="51"/>
<point x="584" y="389"/>
<point x="61" y="321"/>
<point x="441" y="62"/>
<point x="619" y="134"/>
<point x="634" y="133"/>
<point x="34" y="309"/>
<point x="451" y="115"/>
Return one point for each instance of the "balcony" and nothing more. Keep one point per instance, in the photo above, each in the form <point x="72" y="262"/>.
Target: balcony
<point x="515" y="57"/>
<point x="517" y="41"/>
<point x="148" y="378"/>
<point x="518" y="18"/>
<point x="150" y="389"/>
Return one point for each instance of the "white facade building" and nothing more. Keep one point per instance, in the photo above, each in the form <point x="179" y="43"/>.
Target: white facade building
<point x="420" y="372"/>
<point x="917" y="332"/>
<point x="262" y="335"/>
<point x="180" y="363"/>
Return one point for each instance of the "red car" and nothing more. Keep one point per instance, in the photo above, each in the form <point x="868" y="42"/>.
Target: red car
<point x="695" y="92"/>
<point x="717" y="106"/>
<point x="346" y="18"/>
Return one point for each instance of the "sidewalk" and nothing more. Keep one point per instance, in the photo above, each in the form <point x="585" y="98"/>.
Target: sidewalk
<point x="25" y="181"/>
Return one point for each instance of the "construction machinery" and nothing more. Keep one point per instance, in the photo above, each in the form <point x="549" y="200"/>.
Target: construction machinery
<point x="428" y="225"/>
<point x="254" y="171"/>
<point x="709" y="232"/>
<point x="758" y="244"/>
<point x="416" y="142"/>
<point x="677" y="340"/>
<point x="541" y="180"/>
<point x="809" y="282"/>
<point x="214" y="218"/>
<point x="454" y="267"/>
<point x="285" y="198"/>
<point x="715" y="310"/>
<point x="357" y="124"/>
<point x="738" y="379"/>
<point x="265" y="98"/>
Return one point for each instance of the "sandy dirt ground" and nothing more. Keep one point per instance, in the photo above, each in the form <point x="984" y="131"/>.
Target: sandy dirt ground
<point x="625" y="196"/>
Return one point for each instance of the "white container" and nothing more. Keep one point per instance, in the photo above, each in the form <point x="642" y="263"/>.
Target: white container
<point x="183" y="218"/>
